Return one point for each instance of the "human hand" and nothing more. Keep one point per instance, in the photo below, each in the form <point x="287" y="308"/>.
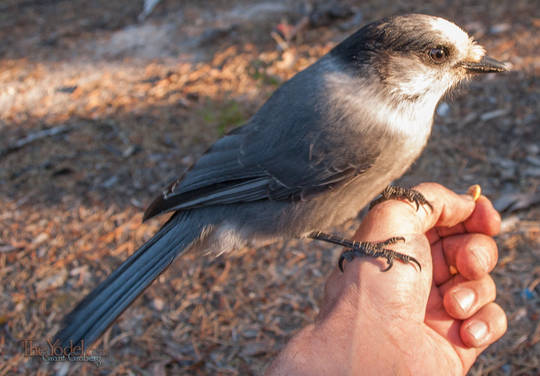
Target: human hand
<point x="406" y="321"/>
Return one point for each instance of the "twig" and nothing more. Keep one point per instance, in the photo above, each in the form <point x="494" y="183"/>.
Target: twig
<point x="34" y="137"/>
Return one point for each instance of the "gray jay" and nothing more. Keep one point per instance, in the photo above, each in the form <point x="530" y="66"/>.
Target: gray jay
<point x="326" y="143"/>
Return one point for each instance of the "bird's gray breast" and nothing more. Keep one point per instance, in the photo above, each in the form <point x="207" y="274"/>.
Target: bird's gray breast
<point x="333" y="122"/>
<point x="362" y="122"/>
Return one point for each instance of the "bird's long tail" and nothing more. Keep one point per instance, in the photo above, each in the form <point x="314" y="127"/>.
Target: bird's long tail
<point x="93" y="315"/>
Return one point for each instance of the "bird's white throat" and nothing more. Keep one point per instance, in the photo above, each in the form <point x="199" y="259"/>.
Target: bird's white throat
<point x="371" y="104"/>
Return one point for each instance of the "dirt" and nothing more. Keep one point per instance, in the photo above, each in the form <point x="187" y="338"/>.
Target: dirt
<point x="126" y="105"/>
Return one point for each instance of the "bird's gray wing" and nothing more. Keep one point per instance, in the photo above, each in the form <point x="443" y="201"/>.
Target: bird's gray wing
<point x="246" y="165"/>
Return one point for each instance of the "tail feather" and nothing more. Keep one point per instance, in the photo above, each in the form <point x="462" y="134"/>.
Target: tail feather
<point x="93" y="315"/>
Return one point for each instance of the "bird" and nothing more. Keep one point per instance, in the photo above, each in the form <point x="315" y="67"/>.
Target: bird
<point x="325" y="144"/>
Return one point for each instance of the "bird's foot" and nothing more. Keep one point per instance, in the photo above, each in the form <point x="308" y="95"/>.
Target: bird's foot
<point x="371" y="249"/>
<point x="393" y="192"/>
<point x="377" y="250"/>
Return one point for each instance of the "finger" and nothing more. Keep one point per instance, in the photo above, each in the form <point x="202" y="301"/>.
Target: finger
<point x="473" y="255"/>
<point x="477" y="333"/>
<point x="485" y="219"/>
<point x="441" y="265"/>
<point x="449" y="209"/>
<point x="464" y="299"/>
<point x="469" y="338"/>
<point x="485" y="327"/>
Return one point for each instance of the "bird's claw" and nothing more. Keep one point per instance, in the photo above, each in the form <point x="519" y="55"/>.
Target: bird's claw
<point x="393" y="192"/>
<point x="377" y="250"/>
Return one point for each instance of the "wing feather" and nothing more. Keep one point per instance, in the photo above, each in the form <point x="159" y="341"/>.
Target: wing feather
<point x="285" y="152"/>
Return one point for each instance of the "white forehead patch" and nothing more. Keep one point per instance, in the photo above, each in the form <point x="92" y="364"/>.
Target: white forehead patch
<point x="451" y="31"/>
<point x="465" y="44"/>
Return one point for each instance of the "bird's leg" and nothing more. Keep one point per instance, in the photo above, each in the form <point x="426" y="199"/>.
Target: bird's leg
<point x="393" y="192"/>
<point x="371" y="249"/>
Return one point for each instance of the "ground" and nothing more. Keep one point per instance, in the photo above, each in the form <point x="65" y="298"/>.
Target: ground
<point x="100" y="109"/>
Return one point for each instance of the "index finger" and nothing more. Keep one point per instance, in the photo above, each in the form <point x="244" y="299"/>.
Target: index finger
<point x="392" y="218"/>
<point x="484" y="220"/>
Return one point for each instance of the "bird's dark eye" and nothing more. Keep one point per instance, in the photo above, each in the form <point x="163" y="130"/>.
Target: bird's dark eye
<point x="438" y="54"/>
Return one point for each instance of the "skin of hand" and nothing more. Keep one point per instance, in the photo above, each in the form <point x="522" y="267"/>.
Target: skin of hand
<point x="406" y="321"/>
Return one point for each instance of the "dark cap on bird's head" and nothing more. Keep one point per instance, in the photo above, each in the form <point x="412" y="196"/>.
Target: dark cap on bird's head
<point x="411" y="52"/>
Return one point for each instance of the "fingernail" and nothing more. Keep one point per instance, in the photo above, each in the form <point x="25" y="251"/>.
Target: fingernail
<point x="482" y="259"/>
<point x="478" y="329"/>
<point x="474" y="191"/>
<point x="464" y="297"/>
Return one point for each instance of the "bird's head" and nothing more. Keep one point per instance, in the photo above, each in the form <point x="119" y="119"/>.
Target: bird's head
<point x="415" y="56"/>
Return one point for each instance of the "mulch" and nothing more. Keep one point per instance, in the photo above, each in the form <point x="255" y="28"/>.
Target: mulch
<point x="100" y="111"/>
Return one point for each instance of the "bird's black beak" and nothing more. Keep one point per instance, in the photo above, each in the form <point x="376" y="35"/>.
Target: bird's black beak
<point x="486" y="65"/>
